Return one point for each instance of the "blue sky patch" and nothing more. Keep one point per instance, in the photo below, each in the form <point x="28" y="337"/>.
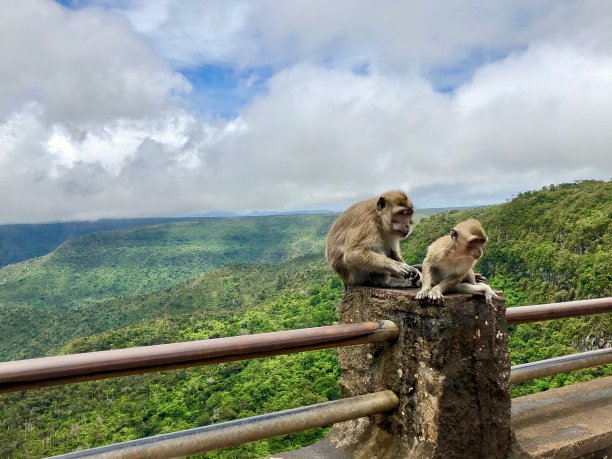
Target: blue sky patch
<point x="223" y="91"/>
<point x="447" y="78"/>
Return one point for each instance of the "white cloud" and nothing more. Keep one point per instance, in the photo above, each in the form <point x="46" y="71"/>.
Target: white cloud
<point x="81" y="66"/>
<point x="542" y="109"/>
<point x="387" y="34"/>
<point x="537" y="118"/>
<point x="90" y="126"/>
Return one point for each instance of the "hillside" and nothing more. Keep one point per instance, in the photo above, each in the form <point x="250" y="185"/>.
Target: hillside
<point x="86" y="274"/>
<point x="123" y="263"/>
<point x="30" y="332"/>
<point x="20" y="242"/>
<point x="544" y="246"/>
<point x="250" y="299"/>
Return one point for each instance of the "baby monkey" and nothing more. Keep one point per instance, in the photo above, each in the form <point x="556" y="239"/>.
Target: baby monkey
<point x="449" y="261"/>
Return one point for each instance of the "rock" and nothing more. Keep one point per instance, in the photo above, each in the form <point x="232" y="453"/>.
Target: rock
<point x="449" y="367"/>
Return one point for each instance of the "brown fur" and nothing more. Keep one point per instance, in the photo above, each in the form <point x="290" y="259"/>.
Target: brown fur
<point x="471" y="227"/>
<point x="363" y="243"/>
<point x="449" y="261"/>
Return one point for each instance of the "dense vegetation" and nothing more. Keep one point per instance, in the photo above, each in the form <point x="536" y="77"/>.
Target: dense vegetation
<point x="84" y="276"/>
<point x="61" y="419"/>
<point x="545" y="246"/>
<point x="124" y="263"/>
<point x="20" y="242"/>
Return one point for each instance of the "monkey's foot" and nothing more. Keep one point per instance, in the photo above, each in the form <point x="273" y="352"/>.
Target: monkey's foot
<point x="491" y="295"/>
<point x="395" y="282"/>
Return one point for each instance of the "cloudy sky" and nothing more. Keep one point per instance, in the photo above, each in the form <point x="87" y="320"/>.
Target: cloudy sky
<point x="112" y="108"/>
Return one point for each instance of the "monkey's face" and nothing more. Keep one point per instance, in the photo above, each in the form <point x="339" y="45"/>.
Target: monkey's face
<point x="475" y="247"/>
<point x="470" y="238"/>
<point x="402" y="221"/>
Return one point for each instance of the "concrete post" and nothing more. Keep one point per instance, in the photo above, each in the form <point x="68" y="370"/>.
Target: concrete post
<point x="449" y="367"/>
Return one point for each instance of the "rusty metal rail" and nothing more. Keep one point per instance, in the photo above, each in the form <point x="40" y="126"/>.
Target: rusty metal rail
<point x="64" y="369"/>
<point x="223" y="435"/>
<point x="540" y="312"/>
<point x="565" y="364"/>
<point x="49" y="371"/>
<point x="558" y="365"/>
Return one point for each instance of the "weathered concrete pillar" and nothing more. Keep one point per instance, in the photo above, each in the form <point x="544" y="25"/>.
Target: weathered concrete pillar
<point x="449" y="367"/>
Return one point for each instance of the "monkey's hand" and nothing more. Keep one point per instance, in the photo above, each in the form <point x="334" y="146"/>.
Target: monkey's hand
<point x="414" y="277"/>
<point x="430" y="295"/>
<point x="403" y="270"/>
<point x="435" y="295"/>
<point x="479" y="278"/>
<point x="422" y="295"/>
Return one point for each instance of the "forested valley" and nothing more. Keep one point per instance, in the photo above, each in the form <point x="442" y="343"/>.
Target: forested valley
<point x="202" y="279"/>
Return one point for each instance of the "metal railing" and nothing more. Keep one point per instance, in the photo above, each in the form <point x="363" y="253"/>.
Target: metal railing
<point x="540" y="312"/>
<point x="49" y="371"/>
<point x="65" y="369"/>
<point x="558" y="365"/>
<point x="551" y="367"/>
<point x="233" y="433"/>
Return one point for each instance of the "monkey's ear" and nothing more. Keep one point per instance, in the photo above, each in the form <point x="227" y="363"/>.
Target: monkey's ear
<point x="381" y="203"/>
<point x="454" y="234"/>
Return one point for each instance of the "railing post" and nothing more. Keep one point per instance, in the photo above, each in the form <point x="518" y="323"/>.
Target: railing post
<point x="449" y="367"/>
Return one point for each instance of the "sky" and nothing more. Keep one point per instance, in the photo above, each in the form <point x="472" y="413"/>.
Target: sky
<point x="135" y="108"/>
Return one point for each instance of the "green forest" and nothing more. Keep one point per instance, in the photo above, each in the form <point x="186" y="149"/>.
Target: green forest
<point x="19" y="242"/>
<point x="212" y="278"/>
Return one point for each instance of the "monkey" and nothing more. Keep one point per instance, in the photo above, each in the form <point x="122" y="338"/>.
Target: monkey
<point x="449" y="261"/>
<point x="362" y="245"/>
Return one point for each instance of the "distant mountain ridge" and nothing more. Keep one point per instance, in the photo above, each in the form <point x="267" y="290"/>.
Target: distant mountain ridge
<point x="257" y="213"/>
<point x="20" y="242"/>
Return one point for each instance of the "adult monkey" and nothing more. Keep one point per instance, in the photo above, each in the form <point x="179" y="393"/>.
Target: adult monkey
<point x="363" y="243"/>
<point x="449" y="261"/>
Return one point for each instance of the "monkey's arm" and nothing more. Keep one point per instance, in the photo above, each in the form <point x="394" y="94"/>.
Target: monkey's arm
<point x="436" y="293"/>
<point x="394" y="255"/>
<point x="397" y="256"/>
<point x="473" y="278"/>
<point x="375" y="262"/>
<point x="470" y="277"/>
<point x="426" y="278"/>
<point x="477" y="289"/>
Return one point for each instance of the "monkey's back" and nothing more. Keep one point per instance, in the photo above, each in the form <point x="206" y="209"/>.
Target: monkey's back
<point x="438" y="249"/>
<point x="344" y="230"/>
